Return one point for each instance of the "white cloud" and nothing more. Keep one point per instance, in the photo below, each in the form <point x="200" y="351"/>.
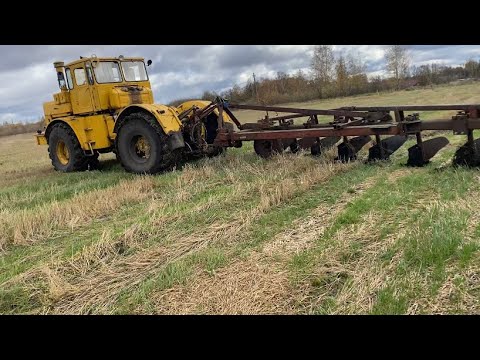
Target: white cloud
<point x="27" y="76"/>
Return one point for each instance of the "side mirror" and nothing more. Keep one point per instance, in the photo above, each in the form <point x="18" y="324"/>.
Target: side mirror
<point x="149" y="62"/>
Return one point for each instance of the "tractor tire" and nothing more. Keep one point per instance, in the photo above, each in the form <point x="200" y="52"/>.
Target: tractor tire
<point x="141" y="145"/>
<point x="65" y="150"/>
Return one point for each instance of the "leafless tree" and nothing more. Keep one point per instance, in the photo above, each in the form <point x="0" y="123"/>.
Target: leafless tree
<point x="323" y="64"/>
<point x="355" y="64"/>
<point x="342" y="77"/>
<point x="398" y="62"/>
<point x="471" y="68"/>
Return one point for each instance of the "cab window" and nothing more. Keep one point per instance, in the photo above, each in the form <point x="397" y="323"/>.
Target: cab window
<point x="80" y="78"/>
<point x="69" y="79"/>
<point x="107" y="72"/>
<point x="134" y="71"/>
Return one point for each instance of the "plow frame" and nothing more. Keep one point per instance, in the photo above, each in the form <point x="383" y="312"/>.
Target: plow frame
<point x="354" y="121"/>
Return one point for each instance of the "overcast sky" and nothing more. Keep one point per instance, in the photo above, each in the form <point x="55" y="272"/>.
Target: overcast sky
<point x="27" y="76"/>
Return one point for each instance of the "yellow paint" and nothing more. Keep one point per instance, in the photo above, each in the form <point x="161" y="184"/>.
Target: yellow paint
<point x="119" y="97"/>
<point x="63" y="154"/>
<point x="165" y="115"/>
<point x="142" y="147"/>
<point x="91" y="108"/>
<point x="41" y="139"/>
<point x="92" y="131"/>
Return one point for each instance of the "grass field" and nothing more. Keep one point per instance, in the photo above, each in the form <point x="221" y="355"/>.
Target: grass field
<point x="241" y="235"/>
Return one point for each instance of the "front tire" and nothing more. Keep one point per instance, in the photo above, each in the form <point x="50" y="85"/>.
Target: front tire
<point x="142" y="146"/>
<point x="65" y="150"/>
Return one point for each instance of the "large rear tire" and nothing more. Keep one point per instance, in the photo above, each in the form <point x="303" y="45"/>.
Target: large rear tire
<point x="142" y="146"/>
<point x="65" y="150"/>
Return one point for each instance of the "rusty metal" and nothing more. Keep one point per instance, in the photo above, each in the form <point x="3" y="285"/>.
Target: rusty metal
<point x="420" y="154"/>
<point x="233" y="117"/>
<point x="280" y="119"/>
<point x="356" y="124"/>
<point x="383" y="149"/>
<point x="378" y="144"/>
<point x="459" y="124"/>
<point x="306" y="143"/>
<point x="468" y="154"/>
<point x="347" y="150"/>
<point x="294" y="147"/>
<point x="320" y="146"/>
<point x="267" y="148"/>
<point x="387" y="129"/>
<point x="412" y="107"/>
<point x="306" y="112"/>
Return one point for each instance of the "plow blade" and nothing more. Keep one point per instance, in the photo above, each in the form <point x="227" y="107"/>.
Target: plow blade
<point x="306" y="143"/>
<point x="348" y="150"/>
<point x="418" y="158"/>
<point x="324" y="144"/>
<point x="267" y="148"/>
<point x="388" y="145"/>
<point x="468" y="155"/>
<point x="290" y="143"/>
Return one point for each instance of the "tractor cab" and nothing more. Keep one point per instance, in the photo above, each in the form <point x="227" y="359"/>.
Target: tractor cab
<point x="99" y="85"/>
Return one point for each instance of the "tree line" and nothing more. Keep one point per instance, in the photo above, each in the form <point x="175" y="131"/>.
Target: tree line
<point x="336" y="75"/>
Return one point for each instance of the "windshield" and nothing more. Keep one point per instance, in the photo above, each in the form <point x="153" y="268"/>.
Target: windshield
<point x="107" y="72"/>
<point x="134" y="71"/>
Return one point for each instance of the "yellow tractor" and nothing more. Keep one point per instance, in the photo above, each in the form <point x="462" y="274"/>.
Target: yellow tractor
<point x="107" y="105"/>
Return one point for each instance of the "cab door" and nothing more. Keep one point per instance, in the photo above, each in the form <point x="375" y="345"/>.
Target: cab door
<point x="93" y="89"/>
<point x="81" y="95"/>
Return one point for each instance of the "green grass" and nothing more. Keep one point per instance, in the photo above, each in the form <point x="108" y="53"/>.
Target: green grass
<point x="392" y="240"/>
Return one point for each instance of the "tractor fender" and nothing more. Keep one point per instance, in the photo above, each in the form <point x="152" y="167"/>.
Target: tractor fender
<point x="91" y="131"/>
<point x="79" y="132"/>
<point x="166" y="116"/>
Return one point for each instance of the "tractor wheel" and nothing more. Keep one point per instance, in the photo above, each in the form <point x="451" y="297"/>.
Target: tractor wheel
<point x="142" y="146"/>
<point x="65" y="150"/>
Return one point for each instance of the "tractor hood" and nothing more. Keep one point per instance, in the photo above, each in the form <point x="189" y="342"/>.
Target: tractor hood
<point x="124" y="95"/>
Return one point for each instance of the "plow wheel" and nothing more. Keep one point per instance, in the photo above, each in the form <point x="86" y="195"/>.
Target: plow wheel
<point x="267" y="148"/>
